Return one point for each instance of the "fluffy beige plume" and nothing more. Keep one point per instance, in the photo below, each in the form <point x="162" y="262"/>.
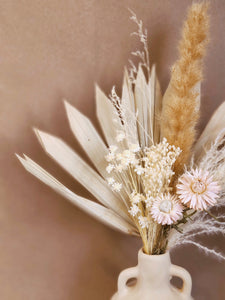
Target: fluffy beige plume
<point x="181" y="102"/>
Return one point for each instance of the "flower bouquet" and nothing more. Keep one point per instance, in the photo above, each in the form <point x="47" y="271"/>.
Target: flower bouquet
<point x="152" y="178"/>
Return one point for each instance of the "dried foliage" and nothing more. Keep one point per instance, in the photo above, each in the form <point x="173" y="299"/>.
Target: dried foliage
<point x="202" y="223"/>
<point x="180" y="103"/>
<point x="136" y="165"/>
<point x="143" y="55"/>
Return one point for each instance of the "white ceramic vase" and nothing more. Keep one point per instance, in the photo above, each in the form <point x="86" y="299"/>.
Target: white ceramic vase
<point x="153" y="274"/>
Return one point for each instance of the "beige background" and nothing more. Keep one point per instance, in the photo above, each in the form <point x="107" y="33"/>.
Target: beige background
<point x="49" y="250"/>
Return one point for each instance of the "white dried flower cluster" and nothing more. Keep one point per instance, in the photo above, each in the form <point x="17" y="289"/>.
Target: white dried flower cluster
<point x="142" y="174"/>
<point x="143" y="221"/>
<point x="120" y="161"/>
<point x="157" y="168"/>
<point x="137" y="200"/>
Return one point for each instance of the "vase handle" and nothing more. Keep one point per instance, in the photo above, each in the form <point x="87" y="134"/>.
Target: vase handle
<point x="124" y="277"/>
<point x="185" y="276"/>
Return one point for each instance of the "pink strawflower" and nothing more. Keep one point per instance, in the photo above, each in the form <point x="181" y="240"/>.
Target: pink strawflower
<point x="166" y="209"/>
<point x="197" y="190"/>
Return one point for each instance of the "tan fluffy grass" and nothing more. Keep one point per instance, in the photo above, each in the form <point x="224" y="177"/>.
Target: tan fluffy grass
<point x="180" y="105"/>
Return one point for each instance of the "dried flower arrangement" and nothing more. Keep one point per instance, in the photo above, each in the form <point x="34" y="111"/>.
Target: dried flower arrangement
<point x="152" y="178"/>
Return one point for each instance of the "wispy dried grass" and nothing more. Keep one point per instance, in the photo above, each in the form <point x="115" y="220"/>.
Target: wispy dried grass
<point x="201" y="223"/>
<point x="180" y="104"/>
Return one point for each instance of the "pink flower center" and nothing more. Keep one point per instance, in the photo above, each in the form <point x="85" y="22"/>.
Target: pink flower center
<point x="198" y="187"/>
<point x="165" y="206"/>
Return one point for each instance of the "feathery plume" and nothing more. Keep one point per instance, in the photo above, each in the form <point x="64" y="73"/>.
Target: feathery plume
<point x="180" y="104"/>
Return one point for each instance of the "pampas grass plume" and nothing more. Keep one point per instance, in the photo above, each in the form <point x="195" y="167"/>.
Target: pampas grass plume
<point x="180" y="106"/>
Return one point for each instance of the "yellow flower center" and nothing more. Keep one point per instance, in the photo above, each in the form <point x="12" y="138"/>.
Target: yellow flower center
<point x="165" y="206"/>
<point x="198" y="187"/>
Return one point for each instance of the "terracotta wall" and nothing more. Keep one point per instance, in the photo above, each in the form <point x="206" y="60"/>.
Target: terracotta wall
<point x="53" y="49"/>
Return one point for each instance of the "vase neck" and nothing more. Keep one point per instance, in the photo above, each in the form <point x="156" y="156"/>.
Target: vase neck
<point x="154" y="270"/>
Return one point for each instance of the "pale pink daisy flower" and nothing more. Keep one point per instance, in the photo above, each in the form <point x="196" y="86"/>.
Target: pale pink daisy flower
<point x="196" y="189"/>
<point x="166" y="209"/>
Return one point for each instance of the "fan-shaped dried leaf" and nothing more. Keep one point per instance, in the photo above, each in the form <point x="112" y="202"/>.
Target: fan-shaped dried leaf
<point x="97" y="211"/>
<point x="211" y="131"/>
<point x="84" y="174"/>
<point x="88" y="137"/>
<point x="144" y="109"/>
<point x="107" y="117"/>
<point x="128" y="107"/>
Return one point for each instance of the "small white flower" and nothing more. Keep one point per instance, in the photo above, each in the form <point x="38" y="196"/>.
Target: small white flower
<point x="113" y="148"/>
<point x="124" y="163"/>
<point x="145" y="159"/>
<point x="149" y="200"/>
<point x="136" y="198"/>
<point x="110" y="156"/>
<point x="134" y="161"/>
<point x="143" y="221"/>
<point x="128" y="157"/>
<point x="118" y="156"/>
<point x="110" y="180"/>
<point x="109" y="168"/>
<point x="139" y="170"/>
<point x="119" y="168"/>
<point x="134" y="210"/>
<point x="134" y="148"/>
<point x="117" y="186"/>
<point x="120" y="136"/>
<point x="127" y="153"/>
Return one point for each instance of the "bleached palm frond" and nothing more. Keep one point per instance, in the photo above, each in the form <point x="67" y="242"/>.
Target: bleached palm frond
<point x="136" y="121"/>
<point x="88" y="138"/>
<point x="136" y="115"/>
<point x="144" y="109"/>
<point x="81" y="171"/>
<point x="156" y="104"/>
<point x="95" y="147"/>
<point x="129" y="110"/>
<point x="108" y="117"/>
<point x="211" y="131"/>
<point x="105" y="215"/>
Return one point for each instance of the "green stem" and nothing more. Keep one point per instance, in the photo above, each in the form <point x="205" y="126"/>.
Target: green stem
<point x="211" y="215"/>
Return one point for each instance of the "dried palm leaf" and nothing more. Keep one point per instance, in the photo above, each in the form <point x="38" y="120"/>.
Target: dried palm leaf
<point x="105" y="215"/>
